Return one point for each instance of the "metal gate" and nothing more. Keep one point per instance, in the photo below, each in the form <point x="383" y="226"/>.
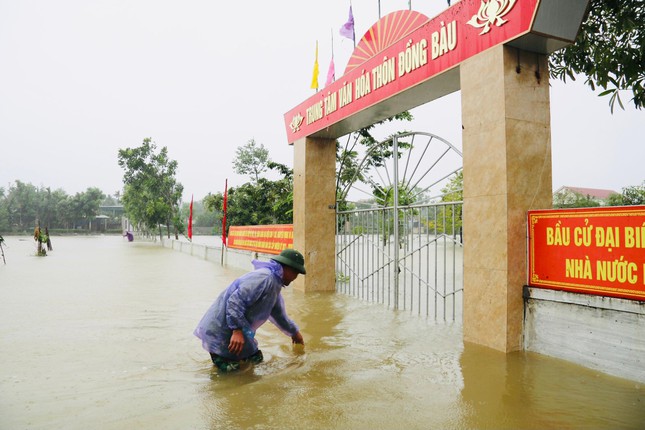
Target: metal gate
<point x="406" y="256"/>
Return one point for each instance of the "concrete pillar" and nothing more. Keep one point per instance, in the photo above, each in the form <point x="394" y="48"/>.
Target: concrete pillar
<point x="507" y="171"/>
<point x="314" y="214"/>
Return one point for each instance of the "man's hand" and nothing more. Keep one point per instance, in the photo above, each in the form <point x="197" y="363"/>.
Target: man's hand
<point x="297" y="338"/>
<point x="237" y="342"/>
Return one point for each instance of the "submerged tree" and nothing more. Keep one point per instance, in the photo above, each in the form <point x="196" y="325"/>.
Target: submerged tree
<point x="151" y="194"/>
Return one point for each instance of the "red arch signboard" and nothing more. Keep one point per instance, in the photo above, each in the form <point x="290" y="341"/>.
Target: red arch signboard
<point x="406" y="59"/>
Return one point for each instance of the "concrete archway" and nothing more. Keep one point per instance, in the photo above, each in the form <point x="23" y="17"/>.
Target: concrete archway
<point x="498" y="58"/>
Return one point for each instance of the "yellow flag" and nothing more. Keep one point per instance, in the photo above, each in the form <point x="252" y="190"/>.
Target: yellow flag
<point x="314" y="79"/>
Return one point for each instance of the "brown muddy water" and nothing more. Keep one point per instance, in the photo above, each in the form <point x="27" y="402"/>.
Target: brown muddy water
<point x="98" y="335"/>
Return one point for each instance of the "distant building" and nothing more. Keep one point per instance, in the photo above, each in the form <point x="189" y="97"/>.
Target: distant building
<point x="111" y="210"/>
<point x="566" y="194"/>
<point x="110" y="217"/>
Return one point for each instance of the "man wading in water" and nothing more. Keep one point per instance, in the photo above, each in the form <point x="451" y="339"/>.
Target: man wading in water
<point x="227" y="329"/>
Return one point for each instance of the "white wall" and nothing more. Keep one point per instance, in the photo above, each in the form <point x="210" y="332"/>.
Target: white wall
<point x="602" y="333"/>
<point x="231" y="257"/>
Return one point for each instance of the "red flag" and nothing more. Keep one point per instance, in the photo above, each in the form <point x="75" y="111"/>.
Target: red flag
<point x="224" y="213"/>
<point x="190" y="220"/>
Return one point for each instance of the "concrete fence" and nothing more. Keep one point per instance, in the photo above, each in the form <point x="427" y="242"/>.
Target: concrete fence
<point x="230" y="257"/>
<point x="602" y="333"/>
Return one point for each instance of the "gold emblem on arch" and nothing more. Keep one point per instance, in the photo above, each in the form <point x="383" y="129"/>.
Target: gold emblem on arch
<point x="491" y="13"/>
<point x="296" y="122"/>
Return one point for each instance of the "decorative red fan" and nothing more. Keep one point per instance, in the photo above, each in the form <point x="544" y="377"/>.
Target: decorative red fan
<point x="384" y="33"/>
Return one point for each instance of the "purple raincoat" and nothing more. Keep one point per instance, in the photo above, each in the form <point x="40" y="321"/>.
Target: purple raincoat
<point x="246" y="304"/>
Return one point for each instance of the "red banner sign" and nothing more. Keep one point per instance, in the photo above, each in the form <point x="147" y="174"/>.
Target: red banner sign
<point x="269" y="239"/>
<point x="405" y="52"/>
<point x="592" y="250"/>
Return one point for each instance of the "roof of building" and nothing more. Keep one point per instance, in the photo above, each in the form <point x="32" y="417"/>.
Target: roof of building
<point x="591" y="192"/>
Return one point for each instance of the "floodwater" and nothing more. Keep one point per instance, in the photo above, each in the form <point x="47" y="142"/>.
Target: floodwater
<point x="98" y="335"/>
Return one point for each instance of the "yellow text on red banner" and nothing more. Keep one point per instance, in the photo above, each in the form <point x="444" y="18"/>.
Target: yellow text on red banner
<point x="589" y="250"/>
<point x="269" y="239"/>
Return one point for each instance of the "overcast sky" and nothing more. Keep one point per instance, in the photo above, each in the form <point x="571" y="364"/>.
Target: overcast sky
<point x="81" y="79"/>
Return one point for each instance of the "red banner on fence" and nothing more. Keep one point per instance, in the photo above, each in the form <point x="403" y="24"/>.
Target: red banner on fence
<point x="591" y="250"/>
<point x="270" y="239"/>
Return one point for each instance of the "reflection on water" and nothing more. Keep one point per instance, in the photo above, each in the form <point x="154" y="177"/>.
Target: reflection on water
<point x="99" y="335"/>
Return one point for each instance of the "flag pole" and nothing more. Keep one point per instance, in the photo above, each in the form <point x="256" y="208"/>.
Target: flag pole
<point x="331" y="72"/>
<point x="354" y="26"/>
<point x="224" y="209"/>
<point x="354" y="36"/>
<point x="190" y="220"/>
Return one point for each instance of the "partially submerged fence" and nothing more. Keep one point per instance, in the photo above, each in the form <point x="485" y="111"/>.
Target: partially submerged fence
<point x="417" y="266"/>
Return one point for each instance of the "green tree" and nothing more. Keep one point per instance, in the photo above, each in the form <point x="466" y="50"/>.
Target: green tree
<point x="86" y="205"/>
<point x="251" y="159"/>
<point x="449" y="217"/>
<point x="110" y="201"/>
<point x="609" y="51"/>
<point x="630" y="196"/>
<point x="5" y="224"/>
<point x="573" y="200"/>
<point x="281" y="192"/>
<point x="65" y="212"/>
<point x="634" y="195"/>
<point x="454" y="190"/>
<point x="22" y="206"/>
<point x="385" y="195"/>
<point x="213" y="203"/>
<point x="271" y="202"/>
<point x="151" y="194"/>
<point x="615" y="200"/>
<point x="201" y="216"/>
<point x="351" y="169"/>
<point x="261" y="203"/>
<point x="385" y="198"/>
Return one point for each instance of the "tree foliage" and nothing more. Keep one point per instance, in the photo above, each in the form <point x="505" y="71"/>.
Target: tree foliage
<point x="361" y="152"/>
<point x="573" y="200"/>
<point x="448" y="218"/>
<point x="261" y="202"/>
<point x="609" y="51"/>
<point x="264" y="201"/>
<point x="151" y="194"/>
<point x="203" y="219"/>
<point x="24" y="206"/>
<point x="630" y="196"/>
<point x="634" y="195"/>
<point x="251" y="159"/>
<point x="384" y="196"/>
